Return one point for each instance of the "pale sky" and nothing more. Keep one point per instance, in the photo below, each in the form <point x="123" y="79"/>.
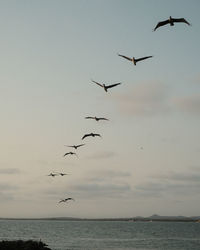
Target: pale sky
<point x="147" y="160"/>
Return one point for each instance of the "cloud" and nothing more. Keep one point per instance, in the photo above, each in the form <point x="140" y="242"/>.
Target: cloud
<point x="95" y="189"/>
<point x="9" y="171"/>
<point x="145" y="99"/>
<point x="7" y="187"/>
<point x="108" y="175"/>
<point x="173" y="183"/>
<point x="181" y="177"/>
<point x="189" y="104"/>
<point x="102" y="155"/>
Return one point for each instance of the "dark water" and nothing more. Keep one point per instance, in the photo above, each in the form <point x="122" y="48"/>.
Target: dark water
<point x="93" y="235"/>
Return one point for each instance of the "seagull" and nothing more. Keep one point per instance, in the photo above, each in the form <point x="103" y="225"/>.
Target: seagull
<point x="70" y="153"/>
<point x="51" y="174"/>
<point x="171" y="21"/>
<point x="96" y="118"/>
<point x="134" y="60"/>
<point x="67" y="199"/>
<point x="106" y="86"/>
<point x="91" y="134"/>
<point x="75" y="146"/>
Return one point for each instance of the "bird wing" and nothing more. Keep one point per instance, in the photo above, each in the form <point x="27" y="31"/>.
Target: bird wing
<point x="180" y="20"/>
<point x="102" y="118"/>
<point x="66" y="154"/>
<point x="128" y="58"/>
<point x="69" y="146"/>
<point x="86" y="135"/>
<point x="98" y="83"/>
<point x="113" y="85"/>
<point x="68" y="199"/>
<point x="80" y="145"/>
<point x="89" y="117"/>
<point x="161" y="24"/>
<point x="97" y="135"/>
<point x="142" y="58"/>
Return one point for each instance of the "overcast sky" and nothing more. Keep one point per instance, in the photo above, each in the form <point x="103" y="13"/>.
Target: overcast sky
<point x="147" y="160"/>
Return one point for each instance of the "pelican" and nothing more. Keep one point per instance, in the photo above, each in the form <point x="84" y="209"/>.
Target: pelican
<point x="91" y="134"/>
<point x="106" y="87"/>
<point x="171" y="21"/>
<point x="51" y="174"/>
<point x="67" y="199"/>
<point x="96" y="118"/>
<point x="69" y="153"/>
<point x="134" y="60"/>
<point x="75" y="146"/>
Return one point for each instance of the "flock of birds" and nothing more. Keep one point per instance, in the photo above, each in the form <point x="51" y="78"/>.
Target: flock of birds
<point x="134" y="60"/>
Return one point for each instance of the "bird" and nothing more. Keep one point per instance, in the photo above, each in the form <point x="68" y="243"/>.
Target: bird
<point x="67" y="199"/>
<point x="171" y="21"/>
<point x="69" y="153"/>
<point x="91" y="134"/>
<point x="96" y="118"/>
<point x="106" y="87"/>
<point x="75" y="146"/>
<point x="51" y="174"/>
<point x="62" y="174"/>
<point x="134" y="60"/>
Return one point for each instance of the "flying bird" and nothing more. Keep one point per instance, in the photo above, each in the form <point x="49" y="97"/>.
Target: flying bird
<point x="106" y="87"/>
<point x="51" y="174"/>
<point x="69" y="153"/>
<point x="91" y="134"/>
<point x="171" y="21"/>
<point x="134" y="60"/>
<point x="96" y="118"/>
<point x="75" y="146"/>
<point x="67" y="199"/>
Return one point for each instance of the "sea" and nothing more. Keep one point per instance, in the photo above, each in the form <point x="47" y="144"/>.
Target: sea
<point x="104" y="235"/>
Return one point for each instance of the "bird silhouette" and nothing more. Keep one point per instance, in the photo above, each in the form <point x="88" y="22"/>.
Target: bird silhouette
<point x="69" y="153"/>
<point x="75" y="146"/>
<point x="171" y="21"/>
<point x="96" y="118"/>
<point x="67" y="199"/>
<point x="134" y="60"/>
<point x="91" y="134"/>
<point x="106" y="87"/>
<point x="51" y="174"/>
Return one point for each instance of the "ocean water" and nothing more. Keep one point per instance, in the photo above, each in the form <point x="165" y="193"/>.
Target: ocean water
<point x="105" y="235"/>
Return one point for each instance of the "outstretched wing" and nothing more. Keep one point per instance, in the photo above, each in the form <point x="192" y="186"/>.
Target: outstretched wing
<point x="142" y="58"/>
<point x="66" y="154"/>
<point x="98" y="83"/>
<point x="80" y="145"/>
<point x="113" y="85"/>
<point x="70" y="199"/>
<point x="89" y="117"/>
<point x="128" y="58"/>
<point x="161" y="24"/>
<point x="86" y="135"/>
<point x="102" y="118"/>
<point x="97" y="135"/>
<point x="61" y="201"/>
<point x="180" y="20"/>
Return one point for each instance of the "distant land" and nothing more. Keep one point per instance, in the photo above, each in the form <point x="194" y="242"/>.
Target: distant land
<point x="152" y="218"/>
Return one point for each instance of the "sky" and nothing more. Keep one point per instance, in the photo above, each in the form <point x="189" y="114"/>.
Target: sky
<point x="147" y="161"/>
